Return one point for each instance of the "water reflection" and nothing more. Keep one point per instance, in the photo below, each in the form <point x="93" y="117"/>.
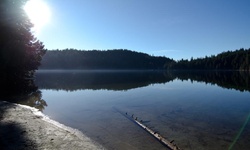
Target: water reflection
<point x="22" y="91"/>
<point x="238" y="80"/>
<point x="182" y="106"/>
<point x="125" y="80"/>
<point x="96" y="80"/>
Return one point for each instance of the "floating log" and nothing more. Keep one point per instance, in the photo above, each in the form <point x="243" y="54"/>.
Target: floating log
<point x="155" y="134"/>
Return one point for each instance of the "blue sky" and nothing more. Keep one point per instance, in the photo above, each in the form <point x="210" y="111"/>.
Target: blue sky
<point x="172" y="28"/>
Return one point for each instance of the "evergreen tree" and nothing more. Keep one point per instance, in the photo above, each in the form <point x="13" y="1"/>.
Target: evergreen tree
<point x="20" y="51"/>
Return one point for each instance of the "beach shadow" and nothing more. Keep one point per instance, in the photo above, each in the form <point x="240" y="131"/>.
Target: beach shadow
<point x="12" y="135"/>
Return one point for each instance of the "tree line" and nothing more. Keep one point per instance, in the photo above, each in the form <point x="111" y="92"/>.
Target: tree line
<point x="125" y="59"/>
<point x="230" y="60"/>
<point x="120" y="59"/>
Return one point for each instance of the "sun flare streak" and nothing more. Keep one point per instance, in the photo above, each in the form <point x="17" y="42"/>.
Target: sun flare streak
<point x="240" y="132"/>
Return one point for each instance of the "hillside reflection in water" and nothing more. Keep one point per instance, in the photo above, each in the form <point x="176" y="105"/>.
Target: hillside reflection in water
<point x="185" y="107"/>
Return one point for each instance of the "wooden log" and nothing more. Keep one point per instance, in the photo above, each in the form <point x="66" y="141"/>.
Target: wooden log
<point x="160" y="138"/>
<point x="164" y="141"/>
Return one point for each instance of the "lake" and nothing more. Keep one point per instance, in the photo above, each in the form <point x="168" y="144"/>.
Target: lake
<point x="198" y="110"/>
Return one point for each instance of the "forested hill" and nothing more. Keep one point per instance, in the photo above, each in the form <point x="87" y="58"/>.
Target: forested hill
<point x="230" y="60"/>
<point x="99" y="59"/>
<point x="123" y="59"/>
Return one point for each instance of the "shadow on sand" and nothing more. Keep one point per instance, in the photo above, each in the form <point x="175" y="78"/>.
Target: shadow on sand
<point x="12" y="135"/>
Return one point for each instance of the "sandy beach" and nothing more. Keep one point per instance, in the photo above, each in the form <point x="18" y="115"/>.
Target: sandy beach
<point x="24" y="127"/>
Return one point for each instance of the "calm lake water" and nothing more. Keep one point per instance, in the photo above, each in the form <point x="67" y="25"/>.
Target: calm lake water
<point x="198" y="110"/>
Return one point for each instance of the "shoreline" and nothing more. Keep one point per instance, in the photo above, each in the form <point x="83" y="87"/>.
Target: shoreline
<point x="25" y="127"/>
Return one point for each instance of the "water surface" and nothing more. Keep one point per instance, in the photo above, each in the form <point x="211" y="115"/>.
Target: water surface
<point x="196" y="110"/>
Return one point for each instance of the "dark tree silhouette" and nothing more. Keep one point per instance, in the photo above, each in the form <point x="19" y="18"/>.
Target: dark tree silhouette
<point x="230" y="60"/>
<point x="20" y="51"/>
<point x="116" y="59"/>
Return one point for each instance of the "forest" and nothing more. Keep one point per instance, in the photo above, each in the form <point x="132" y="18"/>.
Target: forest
<point x="122" y="59"/>
<point x="230" y="60"/>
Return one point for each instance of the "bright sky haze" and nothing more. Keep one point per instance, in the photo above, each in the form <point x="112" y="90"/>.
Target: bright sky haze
<point x="39" y="14"/>
<point x="172" y="28"/>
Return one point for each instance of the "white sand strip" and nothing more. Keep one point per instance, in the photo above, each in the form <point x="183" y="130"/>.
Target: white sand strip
<point x="24" y="127"/>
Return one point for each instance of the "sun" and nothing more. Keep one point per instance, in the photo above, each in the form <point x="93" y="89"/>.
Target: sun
<point x="38" y="13"/>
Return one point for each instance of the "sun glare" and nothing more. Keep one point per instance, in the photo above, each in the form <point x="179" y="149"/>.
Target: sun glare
<point x="38" y="12"/>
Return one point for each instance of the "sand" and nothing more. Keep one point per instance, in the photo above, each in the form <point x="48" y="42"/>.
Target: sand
<point x="24" y="127"/>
